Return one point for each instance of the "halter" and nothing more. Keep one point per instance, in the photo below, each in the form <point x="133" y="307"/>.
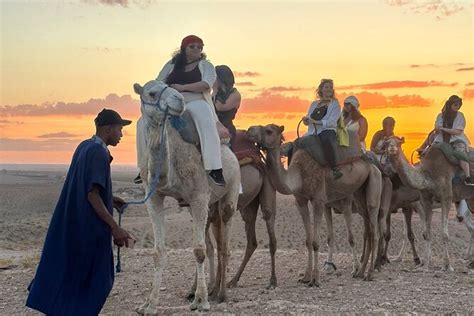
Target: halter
<point x="157" y="103"/>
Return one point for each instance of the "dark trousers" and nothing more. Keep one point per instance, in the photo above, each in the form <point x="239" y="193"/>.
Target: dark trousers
<point x="329" y="142"/>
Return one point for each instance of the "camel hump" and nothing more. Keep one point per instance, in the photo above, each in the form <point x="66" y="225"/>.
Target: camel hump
<point x="244" y="149"/>
<point x="344" y="155"/>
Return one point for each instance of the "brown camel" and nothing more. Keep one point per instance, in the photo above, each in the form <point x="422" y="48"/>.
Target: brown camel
<point x="310" y="182"/>
<point x="178" y="166"/>
<point x="433" y="178"/>
<point x="257" y="191"/>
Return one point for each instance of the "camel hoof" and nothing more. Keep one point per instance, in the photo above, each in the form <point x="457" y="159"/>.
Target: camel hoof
<point x="329" y="267"/>
<point x="304" y="281"/>
<point x="232" y="283"/>
<point x="417" y="261"/>
<point x="190" y="296"/>
<point x="200" y="306"/>
<point x="148" y="311"/>
<point x="141" y="309"/>
<point x="448" y="268"/>
<point x="368" y="277"/>
<point x="398" y="259"/>
<point x="313" y="283"/>
<point x="273" y="285"/>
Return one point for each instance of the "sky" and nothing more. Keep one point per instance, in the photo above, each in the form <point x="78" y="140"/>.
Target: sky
<point x="63" y="61"/>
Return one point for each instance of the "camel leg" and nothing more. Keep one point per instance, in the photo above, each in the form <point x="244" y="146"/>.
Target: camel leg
<point x="157" y="215"/>
<point x="347" y="212"/>
<point x="318" y="209"/>
<point x="373" y="197"/>
<point x="408" y="215"/>
<point x="226" y="212"/>
<point x="329" y="265"/>
<point x="210" y="256"/>
<point x="268" y="207"/>
<point x="445" y="207"/>
<point x="199" y="212"/>
<point x="464" y="214"/>
<point x="249" y="215"/>
<point x="367" y="246"/>
<point x="401" y="254"/>
<point x="388" y="235"/>
<point x="217" y="231"/>
<point x="302" y="205"/>
<point x="428" y="207"/>
<point x="384" y="212"/>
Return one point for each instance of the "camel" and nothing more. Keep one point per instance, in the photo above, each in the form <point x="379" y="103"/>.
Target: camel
<point x="433" y="178"/>
<point x="182" y="176"/>
<point x="464" y="209"/>
<point x="257" y="191"/>
<point x="309" y="181"/>
<point x="395" y="195"/>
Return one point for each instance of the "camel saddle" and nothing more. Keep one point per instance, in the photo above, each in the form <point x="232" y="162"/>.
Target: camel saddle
<point x="452" y="155"/>
<point x="344" y="155"/>
<point x="185" y="126"/>
<point x="245" y="150"/>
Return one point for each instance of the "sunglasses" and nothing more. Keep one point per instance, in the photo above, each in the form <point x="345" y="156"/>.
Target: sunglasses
<point x="193" y="46"/>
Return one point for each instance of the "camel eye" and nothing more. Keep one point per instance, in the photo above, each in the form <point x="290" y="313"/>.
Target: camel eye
<point x="268" y="132"/>
<point x="152" y="94"/>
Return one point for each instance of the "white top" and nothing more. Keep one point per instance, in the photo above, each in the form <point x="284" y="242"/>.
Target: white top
<point x="329" y="121"/>
<point x="208" y="75"/>
<point x="459" y="123"/>
<point x="354" y="126"/>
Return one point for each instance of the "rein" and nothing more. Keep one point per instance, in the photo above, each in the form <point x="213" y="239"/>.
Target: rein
<point x="156" y="179"/>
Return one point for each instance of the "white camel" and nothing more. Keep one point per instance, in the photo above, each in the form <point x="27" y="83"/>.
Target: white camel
<point x="182" y="176"/>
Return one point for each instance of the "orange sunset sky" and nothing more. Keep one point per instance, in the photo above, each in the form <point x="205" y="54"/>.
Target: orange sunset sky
<point x="63" y="61"/>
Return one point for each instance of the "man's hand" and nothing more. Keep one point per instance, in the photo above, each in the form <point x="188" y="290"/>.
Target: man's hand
<point x="118" y="202"/>
<point x="121" y="236"/>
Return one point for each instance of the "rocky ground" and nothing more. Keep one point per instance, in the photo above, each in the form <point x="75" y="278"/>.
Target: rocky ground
<point x="29" y="197"/>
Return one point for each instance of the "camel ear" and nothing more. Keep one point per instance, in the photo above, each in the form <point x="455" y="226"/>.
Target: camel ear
<point x="402" y="140"/>
<point x="282" y="128"/>
<point x="138" y="88"/>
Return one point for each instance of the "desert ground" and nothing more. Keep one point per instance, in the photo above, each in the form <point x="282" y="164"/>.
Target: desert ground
<point x="28" y="199"/>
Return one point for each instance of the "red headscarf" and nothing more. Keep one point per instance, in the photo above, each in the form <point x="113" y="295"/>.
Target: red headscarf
<point x="191" y="39"/>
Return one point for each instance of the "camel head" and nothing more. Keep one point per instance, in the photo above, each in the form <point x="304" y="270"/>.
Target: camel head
<point x="268" y="136"/>
<point x="393" y="145"/>
<point x="156" y="97"/>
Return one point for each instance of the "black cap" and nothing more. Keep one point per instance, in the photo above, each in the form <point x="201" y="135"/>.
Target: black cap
<point x="110" y="117"/>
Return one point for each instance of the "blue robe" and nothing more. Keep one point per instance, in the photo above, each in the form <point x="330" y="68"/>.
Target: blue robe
<point x="75" y="273"/>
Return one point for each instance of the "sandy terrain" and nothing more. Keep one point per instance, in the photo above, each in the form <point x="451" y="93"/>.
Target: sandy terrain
<point x="28" y="198"/>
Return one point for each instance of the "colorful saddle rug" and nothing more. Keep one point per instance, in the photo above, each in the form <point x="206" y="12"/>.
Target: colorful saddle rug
<point x="245" y="150"/>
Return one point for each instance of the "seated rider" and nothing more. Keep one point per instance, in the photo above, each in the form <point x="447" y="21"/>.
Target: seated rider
<point x="322" y="121"/>
<point x="449" y="128"/>
<point x="226" y="99"/>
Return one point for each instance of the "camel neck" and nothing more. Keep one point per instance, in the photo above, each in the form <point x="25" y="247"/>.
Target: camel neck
<point x="410" y="176"/>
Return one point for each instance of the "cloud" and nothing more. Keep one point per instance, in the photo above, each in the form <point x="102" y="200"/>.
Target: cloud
<point x="468" y="94"/>
<point x="286" y="89"/>
<point x="61" y="144"/>
<point x="415" y="135"/>
<point x="267" y="101"/>
<point x="469" y="84"/>
<point x="423" y="66"/>
<point x="398" y="84"/>
<point x="375" y="100"/>
<point x="439" y="8"/>
<point x="125" y="105"/>
<point x="123" y="3"/>
<point x="465" y="69"/>
<point x="247" y="74"/>
<point x="100" y="50"/>
<point x="245" y="84"/>
<point x="58" y="135"/>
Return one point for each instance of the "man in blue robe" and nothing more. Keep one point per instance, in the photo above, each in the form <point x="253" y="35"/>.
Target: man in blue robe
<point x="75" y="273"/>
